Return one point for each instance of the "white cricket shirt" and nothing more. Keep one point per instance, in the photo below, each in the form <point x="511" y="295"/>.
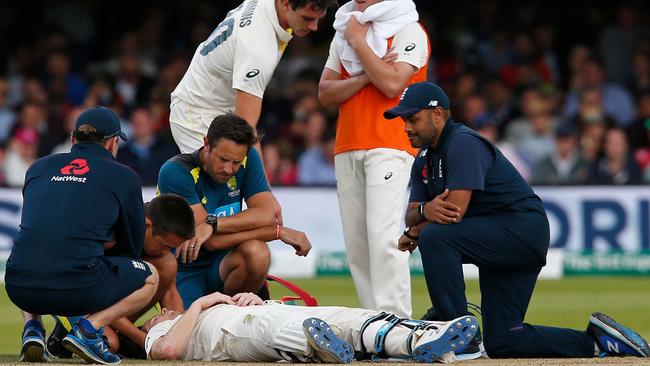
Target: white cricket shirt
<point x="241" y="53"/>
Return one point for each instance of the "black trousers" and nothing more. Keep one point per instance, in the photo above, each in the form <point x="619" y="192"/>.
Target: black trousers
<point x="509" y="250"/>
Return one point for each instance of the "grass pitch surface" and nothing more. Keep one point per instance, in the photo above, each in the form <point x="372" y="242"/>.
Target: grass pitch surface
<point x="565" y="303"/>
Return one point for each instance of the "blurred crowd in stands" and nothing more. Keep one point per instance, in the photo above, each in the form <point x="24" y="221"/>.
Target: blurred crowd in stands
<point x="565" y="94"/>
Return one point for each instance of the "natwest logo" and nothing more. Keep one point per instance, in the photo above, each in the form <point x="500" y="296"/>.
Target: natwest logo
<point x="76" y="167"/>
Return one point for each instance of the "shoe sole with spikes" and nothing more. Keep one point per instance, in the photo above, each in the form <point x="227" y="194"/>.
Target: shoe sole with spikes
<point x="329" y="348"/>
<point x="454" y="336"/>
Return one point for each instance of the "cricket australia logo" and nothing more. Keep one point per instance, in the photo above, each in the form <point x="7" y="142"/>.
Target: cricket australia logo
<point x="232" y="183"/>
<point x="138" y="265"/>
<point x="232" y="186"/>
<point x="248" y="318"/>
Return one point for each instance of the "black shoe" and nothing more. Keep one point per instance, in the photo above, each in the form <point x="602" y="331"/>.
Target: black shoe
<point x="431" y="315"/>
<point x="54" y="345"/>
<point x="614" y="338"/>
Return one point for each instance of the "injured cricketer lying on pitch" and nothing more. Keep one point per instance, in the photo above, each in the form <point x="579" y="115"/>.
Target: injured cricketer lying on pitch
<point x="220" y="329"/>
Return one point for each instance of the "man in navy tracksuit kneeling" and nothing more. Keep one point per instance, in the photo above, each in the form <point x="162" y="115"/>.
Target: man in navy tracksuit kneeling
<point x="73" y="205"/>
<point x="468" y="204"/>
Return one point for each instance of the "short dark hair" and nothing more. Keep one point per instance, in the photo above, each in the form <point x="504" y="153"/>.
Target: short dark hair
<point x="170" y="213"/>
<point x="315" y="4"/>
<point x="231" y="127"/>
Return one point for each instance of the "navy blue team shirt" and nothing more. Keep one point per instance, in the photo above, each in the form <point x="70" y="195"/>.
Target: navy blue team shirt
<point x="182" y="175"/>
<point x="73" y="203"/>
<point x="464" y="160"/>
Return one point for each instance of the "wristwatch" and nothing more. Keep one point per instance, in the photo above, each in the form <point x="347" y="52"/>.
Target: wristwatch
<point x="421" y="210"/>
<point x="212" y="221"/>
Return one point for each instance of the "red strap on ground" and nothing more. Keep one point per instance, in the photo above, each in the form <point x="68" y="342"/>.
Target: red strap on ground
<point x="302" y="294"/>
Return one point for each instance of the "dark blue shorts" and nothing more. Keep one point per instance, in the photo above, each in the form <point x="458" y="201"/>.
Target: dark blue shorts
<point x="193" y="282"/>
<point x="125" y="275"/>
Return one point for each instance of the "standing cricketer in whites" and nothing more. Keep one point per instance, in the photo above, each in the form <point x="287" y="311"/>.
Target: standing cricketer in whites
<point x="378" y="49"/>
<point x="231" y="69"/>
<point x="218" y="327"/>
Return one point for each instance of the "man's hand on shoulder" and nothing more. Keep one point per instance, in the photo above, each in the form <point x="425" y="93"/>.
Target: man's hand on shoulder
<point x="212" y="299"/>
<point x="247" y="299"/>
<point x="297" y="239"/>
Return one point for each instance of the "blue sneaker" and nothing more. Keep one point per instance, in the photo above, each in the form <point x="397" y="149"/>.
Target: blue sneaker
<point x="329" y="348"/>
<point x="451" y="337"/>
<point x="33" y="348"/>
<point x="91" y="349"/>
<point x="613" y="338"/>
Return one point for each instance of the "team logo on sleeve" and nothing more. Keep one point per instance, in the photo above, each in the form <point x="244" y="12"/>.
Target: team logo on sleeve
<point x="253" y="73"/>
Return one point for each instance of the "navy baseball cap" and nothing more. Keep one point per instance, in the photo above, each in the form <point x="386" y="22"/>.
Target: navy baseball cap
<point x="416" y="97"/>
<point x="105" y="121"/>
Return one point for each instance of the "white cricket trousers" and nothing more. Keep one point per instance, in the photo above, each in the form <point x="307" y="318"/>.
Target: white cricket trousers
<point x="189" y="125"/>
<point x="372" y="193"/>
<point x="275" y="332"/>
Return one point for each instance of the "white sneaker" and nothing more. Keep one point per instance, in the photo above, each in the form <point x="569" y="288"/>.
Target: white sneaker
<point x="453" y="336"/>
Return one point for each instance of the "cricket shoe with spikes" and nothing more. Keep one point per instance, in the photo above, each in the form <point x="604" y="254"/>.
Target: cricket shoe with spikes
<point x="438" y="340"/>
<point x="328" y="347"/>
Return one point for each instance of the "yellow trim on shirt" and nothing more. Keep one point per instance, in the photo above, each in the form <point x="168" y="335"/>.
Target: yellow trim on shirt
<point x="284" y="45"/>
<point x="195" y="174"/>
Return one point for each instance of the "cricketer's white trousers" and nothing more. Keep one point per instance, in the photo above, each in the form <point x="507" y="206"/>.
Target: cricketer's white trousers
<point x="189" y="125"/>
<point x="372" y="193"/>
<point x="275" y="332"/>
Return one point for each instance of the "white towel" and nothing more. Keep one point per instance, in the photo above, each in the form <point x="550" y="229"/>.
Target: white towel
<point x="388" y="17"/>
